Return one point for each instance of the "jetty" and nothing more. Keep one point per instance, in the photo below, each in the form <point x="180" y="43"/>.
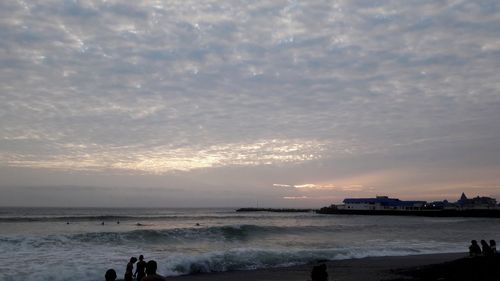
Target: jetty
<point x="274" y="210"/>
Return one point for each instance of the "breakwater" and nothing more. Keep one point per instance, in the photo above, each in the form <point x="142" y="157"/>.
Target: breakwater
<point x="274" y="210"/>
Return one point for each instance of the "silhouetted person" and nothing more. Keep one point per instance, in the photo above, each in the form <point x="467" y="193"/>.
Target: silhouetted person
<point x="486" y="249"/>
<point x="151" y="272"/>
<point x="319" y="273"/>
<point x="140" y="268"/>
<point x="129" y="270"/>
<point x="493" y="246"/>
<point x="110" y="275"/>
<point x="474" y="249"/>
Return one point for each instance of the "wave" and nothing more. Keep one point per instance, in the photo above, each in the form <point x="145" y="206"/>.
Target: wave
<point x="66" y="218"/>
<point x="14" y="219"/>
<point x="250" y="258"/>
<point x="151" y="236"/>
<point x="174" y="235"/>
<point x="243" y="259"/>
<point x="175" y="264"/>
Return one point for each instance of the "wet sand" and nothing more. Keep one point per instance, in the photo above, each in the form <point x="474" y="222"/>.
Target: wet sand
<point x="365" y="269"/>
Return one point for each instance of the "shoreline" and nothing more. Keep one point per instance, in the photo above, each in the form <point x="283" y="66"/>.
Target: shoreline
<point x="362" y="269"/>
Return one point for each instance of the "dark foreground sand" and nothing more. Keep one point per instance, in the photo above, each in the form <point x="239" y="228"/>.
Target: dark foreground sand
<point x="365" y="269"/>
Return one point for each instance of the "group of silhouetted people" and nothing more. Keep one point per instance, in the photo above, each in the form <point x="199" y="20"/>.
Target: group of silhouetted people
<point x="484" y="250"/>
<point x="319" y="273"/>
<point x="145" y="271"/>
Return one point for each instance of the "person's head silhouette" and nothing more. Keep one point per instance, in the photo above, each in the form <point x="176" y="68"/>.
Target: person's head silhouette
<point x="141" y="257"/>
<point x="151" y="267"/>
<point x="110" y="275"/>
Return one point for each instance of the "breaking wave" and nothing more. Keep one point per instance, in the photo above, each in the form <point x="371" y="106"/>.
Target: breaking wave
<point x="250" y="258"/>
<point x="175" y="264"/>
<point x="216" y="233"/>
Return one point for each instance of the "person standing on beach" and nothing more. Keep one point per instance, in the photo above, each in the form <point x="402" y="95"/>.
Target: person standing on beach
<point x="151" y="272"/>
<point x="140" y="268"/>
<point x="486" y="249"/>
<point x="130" y="269"/>
<point x="493" y="246"/>
<point x="474" y="249"/>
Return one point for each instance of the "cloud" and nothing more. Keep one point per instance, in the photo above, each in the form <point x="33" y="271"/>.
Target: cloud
<point x="306" y="186"/>
<point x="162" y="159"/>
<point x="283" y="185"/>
<point x="158" y="87"/>
<point x="324" y="186"/>
<point x="295" y="197"/>
<point x="315" y="186"/>
<point x="313" y="198"/>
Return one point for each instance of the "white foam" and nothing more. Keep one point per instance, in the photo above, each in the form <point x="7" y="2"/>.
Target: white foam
<point x="255" y="258"/>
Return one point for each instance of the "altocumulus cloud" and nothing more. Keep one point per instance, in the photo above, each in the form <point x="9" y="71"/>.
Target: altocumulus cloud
<point x="157" y="86"/>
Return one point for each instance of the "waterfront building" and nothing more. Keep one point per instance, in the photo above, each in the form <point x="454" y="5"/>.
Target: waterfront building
<point x="478" y="202"/>
<point x="380" y="203"/>
<point x="387" y="203"/>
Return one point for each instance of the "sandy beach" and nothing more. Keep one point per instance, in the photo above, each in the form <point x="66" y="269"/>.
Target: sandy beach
<point x="365" y="269"/>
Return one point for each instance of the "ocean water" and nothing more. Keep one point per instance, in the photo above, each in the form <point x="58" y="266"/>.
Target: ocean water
<point x="38" y="244"/>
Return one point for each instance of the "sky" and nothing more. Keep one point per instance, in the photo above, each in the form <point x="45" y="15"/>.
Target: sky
<point x="247" y="103"/>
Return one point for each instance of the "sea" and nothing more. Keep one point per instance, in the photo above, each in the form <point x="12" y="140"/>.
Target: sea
<point x="82" y="243"/>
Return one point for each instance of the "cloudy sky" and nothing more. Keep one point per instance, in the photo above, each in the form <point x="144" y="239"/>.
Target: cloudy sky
<point x="239" y="103"/>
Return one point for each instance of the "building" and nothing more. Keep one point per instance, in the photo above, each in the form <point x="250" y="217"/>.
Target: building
<point x="380" y="203"/>
<point x="478" y="202"/>
<point x="439" y="205"/>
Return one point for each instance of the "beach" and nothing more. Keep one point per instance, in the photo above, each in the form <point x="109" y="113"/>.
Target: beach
<point x="363" y="269"/>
